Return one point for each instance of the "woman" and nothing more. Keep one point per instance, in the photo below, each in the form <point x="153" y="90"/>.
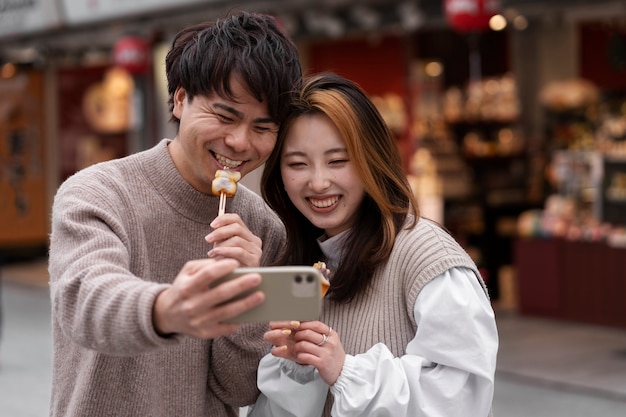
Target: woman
<point x="407" y="328"/>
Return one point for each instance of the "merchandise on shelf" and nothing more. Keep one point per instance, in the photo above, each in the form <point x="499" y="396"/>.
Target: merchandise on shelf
<point x="490" y="99"/>
<point x="561" y="219"/>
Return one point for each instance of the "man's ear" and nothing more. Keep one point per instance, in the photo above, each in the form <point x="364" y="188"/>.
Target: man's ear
<point x="180" y="98"/>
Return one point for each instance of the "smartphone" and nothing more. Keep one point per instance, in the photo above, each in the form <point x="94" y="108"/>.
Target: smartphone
<point x="291" y="293"/>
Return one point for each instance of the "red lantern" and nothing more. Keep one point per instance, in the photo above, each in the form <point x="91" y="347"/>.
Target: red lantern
<point x="133" y="54"/>
<point x="470" y="15"/>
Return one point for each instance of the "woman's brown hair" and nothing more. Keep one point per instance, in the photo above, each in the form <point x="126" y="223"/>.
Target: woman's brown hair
<point x="374" y="154"/>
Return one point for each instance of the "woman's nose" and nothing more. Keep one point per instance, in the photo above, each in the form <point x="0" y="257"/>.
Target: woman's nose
<point x="320" y="180"/>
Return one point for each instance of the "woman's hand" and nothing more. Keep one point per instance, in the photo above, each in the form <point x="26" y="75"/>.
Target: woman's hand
<point x="309" y="343"/>
<point x="231" y="238"/>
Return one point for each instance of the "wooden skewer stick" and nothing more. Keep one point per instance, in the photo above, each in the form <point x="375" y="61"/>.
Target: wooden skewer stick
<point x="222" y="208"/>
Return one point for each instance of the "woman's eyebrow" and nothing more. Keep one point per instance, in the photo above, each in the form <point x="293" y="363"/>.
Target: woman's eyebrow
<point x="336" y="150"/>
<point x="294" y="153"/>
<point x="328" y="152"/>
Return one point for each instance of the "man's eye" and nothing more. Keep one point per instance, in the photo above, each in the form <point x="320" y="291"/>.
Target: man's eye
<point x="224" y="118"/>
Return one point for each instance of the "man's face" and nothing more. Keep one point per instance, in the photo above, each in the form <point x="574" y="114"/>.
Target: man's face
<point x="219" y="133"/>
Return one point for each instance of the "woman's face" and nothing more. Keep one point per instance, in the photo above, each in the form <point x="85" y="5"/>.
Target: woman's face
<point x="318" y="175"/>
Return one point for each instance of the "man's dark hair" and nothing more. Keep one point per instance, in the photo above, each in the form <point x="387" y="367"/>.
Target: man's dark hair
<point x="203" y="58"/>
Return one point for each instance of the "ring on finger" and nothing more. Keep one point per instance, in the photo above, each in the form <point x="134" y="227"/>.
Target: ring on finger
<point x="324" y="340"/>
<point x="325" y="337"/>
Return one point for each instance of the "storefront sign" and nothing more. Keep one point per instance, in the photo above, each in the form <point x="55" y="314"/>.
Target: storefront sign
<point x="82" y="11"/>
<point x="23" y="16"/>
<point x="23" y="207"/>
<point x="133" y="54"/>
<point x="470" y="15"/>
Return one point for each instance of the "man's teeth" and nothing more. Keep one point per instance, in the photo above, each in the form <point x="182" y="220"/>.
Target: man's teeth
<point x="228" y="163"/>
<point x="327" y="202"/>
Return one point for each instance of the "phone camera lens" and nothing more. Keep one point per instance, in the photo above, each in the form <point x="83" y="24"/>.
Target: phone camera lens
<point x="309" y="279"/>
<point x="298" y="279"/>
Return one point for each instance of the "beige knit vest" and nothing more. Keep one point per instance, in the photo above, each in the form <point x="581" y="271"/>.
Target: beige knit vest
<point x="384" y="313"/>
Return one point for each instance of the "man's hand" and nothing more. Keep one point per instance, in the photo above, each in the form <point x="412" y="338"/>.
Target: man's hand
<point x="231" y="238"/>
<point x="191" y="307"/>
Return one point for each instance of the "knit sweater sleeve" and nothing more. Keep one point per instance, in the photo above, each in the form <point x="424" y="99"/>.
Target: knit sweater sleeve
<point x="97" y="302"/>
<point x="235" y="358"/>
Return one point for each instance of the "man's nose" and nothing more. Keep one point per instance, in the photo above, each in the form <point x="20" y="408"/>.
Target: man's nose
<point x="238" y="138"/>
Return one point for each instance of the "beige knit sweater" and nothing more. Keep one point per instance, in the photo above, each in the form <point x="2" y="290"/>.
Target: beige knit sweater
<point x="384" y="313"/>
<point x="121" y="231"/>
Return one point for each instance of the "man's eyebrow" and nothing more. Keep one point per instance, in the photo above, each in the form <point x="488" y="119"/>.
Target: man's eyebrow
<point x="240" y="115"/>
<point x="229" y="109"/>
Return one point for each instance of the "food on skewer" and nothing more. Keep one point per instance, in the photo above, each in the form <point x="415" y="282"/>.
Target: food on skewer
<point x="321" y="266"/>
<point x="225" y="185"/>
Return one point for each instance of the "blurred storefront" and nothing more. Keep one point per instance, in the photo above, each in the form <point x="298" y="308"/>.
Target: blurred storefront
<point x="512" y="138"/>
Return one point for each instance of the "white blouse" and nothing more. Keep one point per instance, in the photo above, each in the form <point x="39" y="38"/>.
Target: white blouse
<point x="448" y="369"/>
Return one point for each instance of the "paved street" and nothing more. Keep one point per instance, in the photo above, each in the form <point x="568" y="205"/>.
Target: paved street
<point x="545" y="368"/>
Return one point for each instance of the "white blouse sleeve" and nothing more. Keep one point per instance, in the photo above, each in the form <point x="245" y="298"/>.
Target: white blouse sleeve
<point x="448" y="369"/>
<point x="288" y="390"/>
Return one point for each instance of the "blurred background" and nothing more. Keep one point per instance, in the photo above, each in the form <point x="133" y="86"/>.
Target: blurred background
<point x="510" y="116"/>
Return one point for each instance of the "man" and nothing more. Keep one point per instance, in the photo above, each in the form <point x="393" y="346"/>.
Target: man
<point x="137" y="325"/>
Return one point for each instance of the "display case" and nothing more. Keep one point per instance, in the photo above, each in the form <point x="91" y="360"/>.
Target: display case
<point x="499" y="166"/>
<point x="612" y="192"/>
<point x="483" y="162"/>
<point x="580" y="281"/>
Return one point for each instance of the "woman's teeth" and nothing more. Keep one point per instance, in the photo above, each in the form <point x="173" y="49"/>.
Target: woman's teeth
<point x="327" y="202"/>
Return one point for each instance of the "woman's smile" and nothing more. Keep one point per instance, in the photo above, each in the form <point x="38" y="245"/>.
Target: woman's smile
<point x="326" y="203"/>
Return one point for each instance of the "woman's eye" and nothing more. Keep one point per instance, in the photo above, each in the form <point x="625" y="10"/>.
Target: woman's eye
<point x="265" y="129"/>
<point x="339" y="161"/>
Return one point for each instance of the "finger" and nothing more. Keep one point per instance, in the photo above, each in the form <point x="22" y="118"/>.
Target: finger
<point x="316" y="326"/>
<point x="278" y="337"/>
<point x="309" y="336"/>
<point x="294" y="324"/>
<point x="233" y="288"/>
<point x="203" y="272"/>
<point x="236" y="307"/>
<point x="193" y="266"/>
<point x="196" y="276"/>
<point x="232" y="229"/>
<point x="282" y="352"/>
<point x="246" y="243"/>
<point x="318" y="356"/>
<point x="226" y="219"/>
<point x="224" y="233"/>
<point x="243" y="255"/>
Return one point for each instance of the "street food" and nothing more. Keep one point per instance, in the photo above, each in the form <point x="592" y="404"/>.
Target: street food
<point x="225" y="185"/>
<point x="321" y="266"/>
